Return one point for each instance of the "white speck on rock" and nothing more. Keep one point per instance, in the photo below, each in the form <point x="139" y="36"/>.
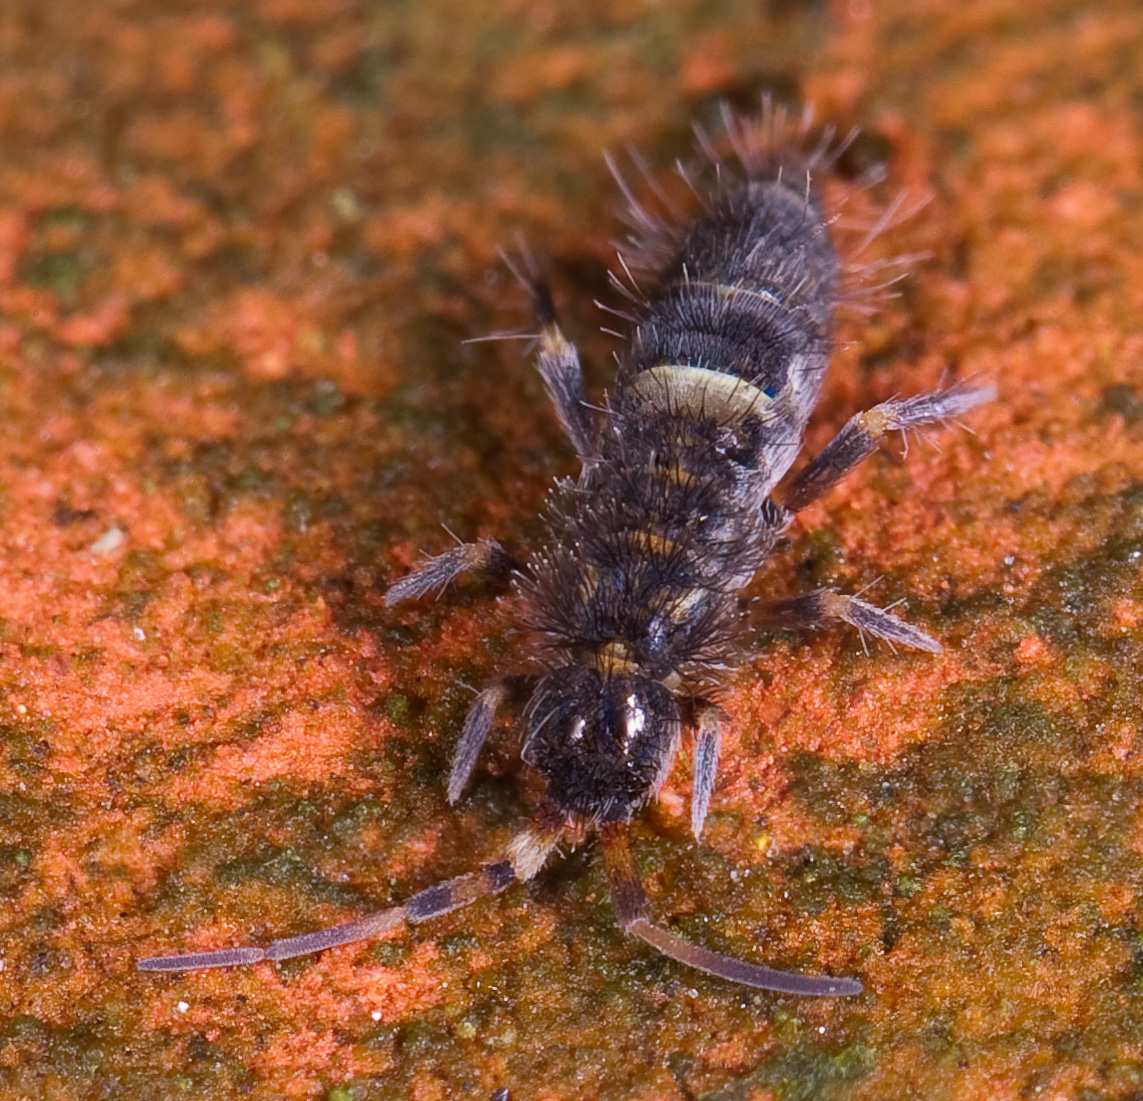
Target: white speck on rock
<point x="108" y="541"/>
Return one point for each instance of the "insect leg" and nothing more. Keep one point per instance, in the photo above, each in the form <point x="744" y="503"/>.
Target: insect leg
<point x="710" y="722"/>
<point x="477" y="724"/>
<point x="486" y="556"/>
<point x="526" y="854"/>
<point x="558" y="363"/>
<point x="631" y="908"/>
<point x="864" y="433"/>
<point x="825" y="606"/>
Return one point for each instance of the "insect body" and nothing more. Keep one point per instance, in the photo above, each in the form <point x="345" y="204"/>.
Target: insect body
<point x="634" y="600"/>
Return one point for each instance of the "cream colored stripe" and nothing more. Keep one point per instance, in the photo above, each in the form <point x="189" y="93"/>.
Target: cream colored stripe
<point x="700" y="392"/>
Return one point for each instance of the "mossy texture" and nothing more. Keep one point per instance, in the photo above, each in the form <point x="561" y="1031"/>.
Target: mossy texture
<point x="241" y="244"/>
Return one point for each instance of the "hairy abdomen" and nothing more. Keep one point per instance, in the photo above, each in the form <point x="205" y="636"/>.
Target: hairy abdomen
<point x="657" y="537"/>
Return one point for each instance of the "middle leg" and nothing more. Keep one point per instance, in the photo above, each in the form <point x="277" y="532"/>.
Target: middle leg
<point x="485" y="556"/>
<point x="826" y="606"/>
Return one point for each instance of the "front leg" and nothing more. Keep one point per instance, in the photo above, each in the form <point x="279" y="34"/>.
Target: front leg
<point x="865" y="432"/>
<point x="710" y="722"/>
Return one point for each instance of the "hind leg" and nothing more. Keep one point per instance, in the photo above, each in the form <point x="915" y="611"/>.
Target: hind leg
<point x="860" y="437"/>
<point x="558" y="363"/>
<point x="864" y="433"/>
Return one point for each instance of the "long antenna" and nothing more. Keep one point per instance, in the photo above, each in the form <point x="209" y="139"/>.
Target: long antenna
<point x="526" y="855"/>
<point x="631" y="908"/>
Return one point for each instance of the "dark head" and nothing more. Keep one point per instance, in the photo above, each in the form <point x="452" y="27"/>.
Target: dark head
<point x="604" y="744"/>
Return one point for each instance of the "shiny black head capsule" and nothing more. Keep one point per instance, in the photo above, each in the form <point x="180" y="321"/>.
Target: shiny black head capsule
<point x="603" y="743"/>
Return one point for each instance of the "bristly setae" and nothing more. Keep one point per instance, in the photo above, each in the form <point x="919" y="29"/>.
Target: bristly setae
<point x="634" y="602"/>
